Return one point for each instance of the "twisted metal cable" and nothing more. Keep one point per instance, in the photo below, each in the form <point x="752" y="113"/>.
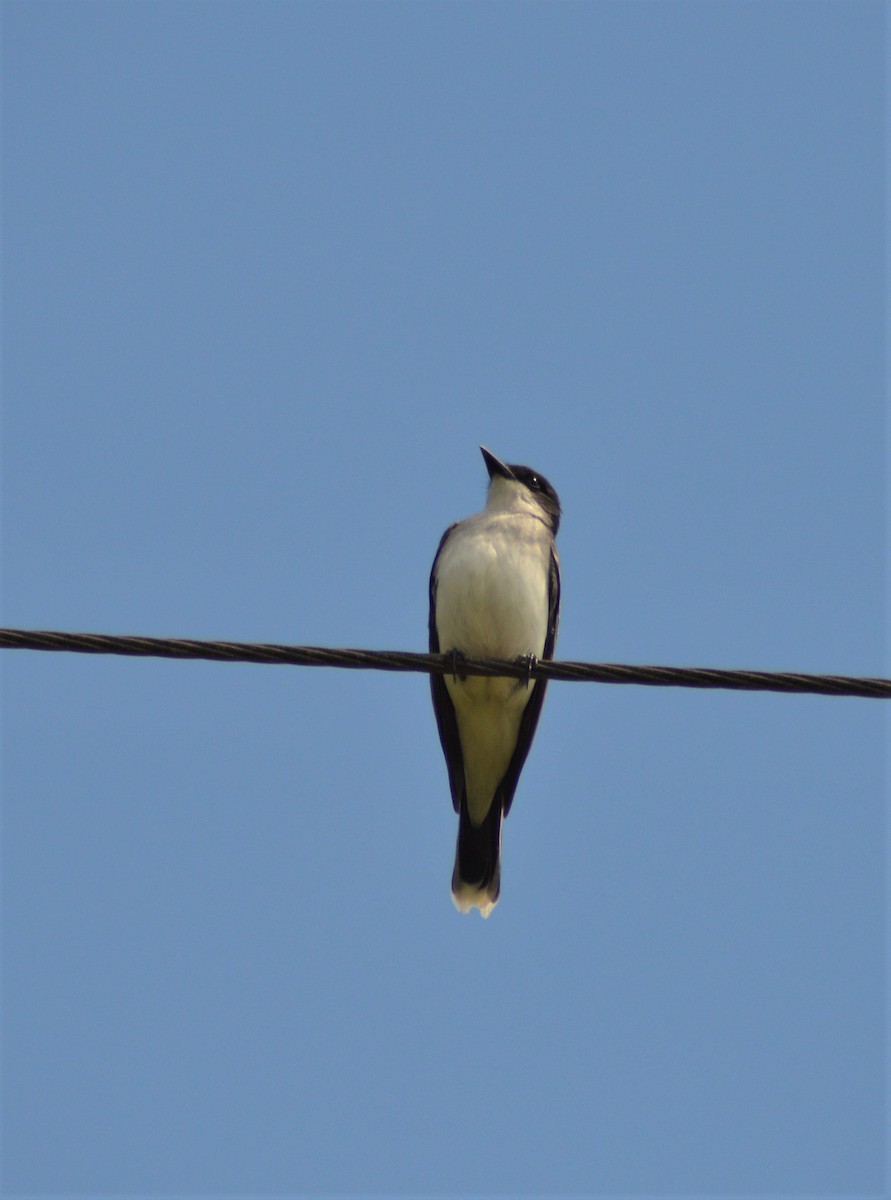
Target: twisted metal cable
<point x="442" y="664"/>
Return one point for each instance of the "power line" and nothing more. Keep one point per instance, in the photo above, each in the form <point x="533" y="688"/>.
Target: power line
<point x="443" y="664"/>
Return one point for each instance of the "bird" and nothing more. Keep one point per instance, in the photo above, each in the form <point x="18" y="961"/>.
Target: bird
<point x="494" y="593"/>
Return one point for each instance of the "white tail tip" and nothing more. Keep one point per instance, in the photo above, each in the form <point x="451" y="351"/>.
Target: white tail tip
<point x="467" y="897"/>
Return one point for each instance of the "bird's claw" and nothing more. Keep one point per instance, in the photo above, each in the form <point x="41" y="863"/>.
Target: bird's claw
<point x="529" y="662"/>
<point x="456" y="659"/>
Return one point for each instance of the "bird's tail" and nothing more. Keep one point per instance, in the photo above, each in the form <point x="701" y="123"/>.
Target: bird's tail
<point x="476" y="880"/>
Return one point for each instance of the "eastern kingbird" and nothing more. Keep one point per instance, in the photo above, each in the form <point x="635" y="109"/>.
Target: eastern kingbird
<point x="494" y="593"/>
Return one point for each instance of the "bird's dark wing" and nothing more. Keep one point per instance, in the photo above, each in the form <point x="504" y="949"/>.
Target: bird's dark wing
<point x="532" y="711"/>
<point x="446" y="721"/>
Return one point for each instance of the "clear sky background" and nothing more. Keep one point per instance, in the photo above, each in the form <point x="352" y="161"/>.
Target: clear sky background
<point x="271" y="272"/>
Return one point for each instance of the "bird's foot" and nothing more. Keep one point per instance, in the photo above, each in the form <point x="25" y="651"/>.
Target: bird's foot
<point x="528" y="662"/>
<point x="456" y="660"/>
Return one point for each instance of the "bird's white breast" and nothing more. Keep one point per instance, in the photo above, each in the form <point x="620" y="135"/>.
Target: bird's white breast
<point x="492" y="593"/>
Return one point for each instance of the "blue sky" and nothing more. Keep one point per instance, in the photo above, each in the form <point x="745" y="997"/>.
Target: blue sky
<point x="271" y="273"/>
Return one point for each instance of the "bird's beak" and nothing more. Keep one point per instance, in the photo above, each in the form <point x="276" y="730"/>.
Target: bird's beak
<point x="495" y="466"/>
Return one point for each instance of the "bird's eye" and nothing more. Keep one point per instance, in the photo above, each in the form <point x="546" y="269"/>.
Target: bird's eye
<point x="535" y="483"/>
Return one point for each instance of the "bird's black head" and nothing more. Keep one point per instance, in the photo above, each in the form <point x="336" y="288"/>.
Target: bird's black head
<point x="542" y="491"/>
